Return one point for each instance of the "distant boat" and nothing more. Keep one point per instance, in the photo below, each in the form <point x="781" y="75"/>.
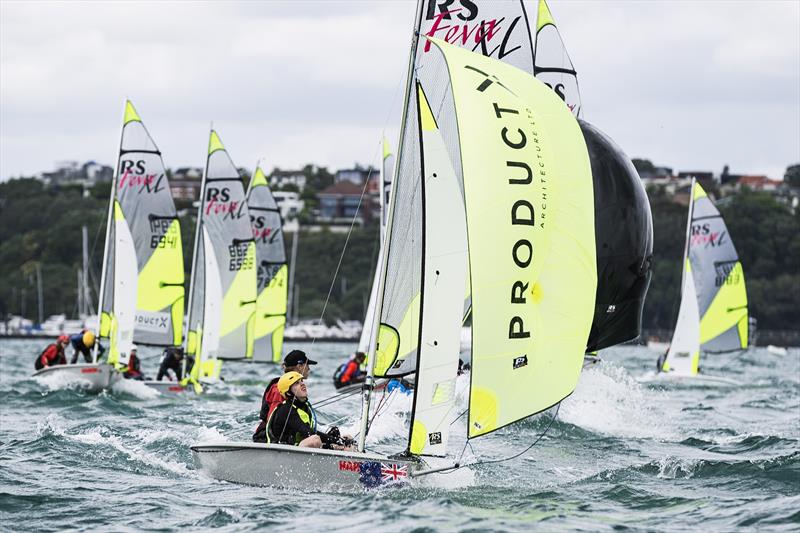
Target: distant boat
<point x="272" y="271"/>
<point x="222" y="297"/>
<point x="713" y="313"/>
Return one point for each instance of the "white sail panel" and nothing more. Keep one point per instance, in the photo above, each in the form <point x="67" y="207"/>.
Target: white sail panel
<point x="553" y="67"/>
<point x="683" y="355"/>
<point x="124" y="291"/>
<point x="445" y="274"/>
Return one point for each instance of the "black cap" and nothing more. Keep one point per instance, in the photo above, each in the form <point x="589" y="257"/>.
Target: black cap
<point x="297" y="357"/>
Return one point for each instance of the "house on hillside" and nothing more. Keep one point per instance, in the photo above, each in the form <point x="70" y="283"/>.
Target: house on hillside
<point x="185" y="183"/>
<point x="340" y="203"/>
<point x="758" y="183"/>
<point x="280" y="178"/>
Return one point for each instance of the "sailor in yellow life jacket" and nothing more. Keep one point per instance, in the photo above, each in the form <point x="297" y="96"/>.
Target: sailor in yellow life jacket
<point x="293" y="422"/>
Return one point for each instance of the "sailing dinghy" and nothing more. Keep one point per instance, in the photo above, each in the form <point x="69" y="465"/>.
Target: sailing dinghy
<point x="525" y="240"/>
<point x="713" y="313"/>
<point x="222" y="294"/>
<point x="133" y="180"/>
<point x="146" y="203"/>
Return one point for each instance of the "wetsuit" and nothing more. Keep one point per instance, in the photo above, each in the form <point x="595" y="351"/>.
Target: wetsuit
<point x="269" y="401"/>
<point x="51" y="356"/>
<point x="79" y="348"/>
<point x="171" y="361"/>
<point x="349" y="374"/>
<point x="293" y="421"/>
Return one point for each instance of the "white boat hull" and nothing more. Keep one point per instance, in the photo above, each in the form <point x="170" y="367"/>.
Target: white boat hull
<point x="166" y="387"/>
<point x="92" y="377"/>
<point x="777" y="350"/>
<point x="279" y="465"/>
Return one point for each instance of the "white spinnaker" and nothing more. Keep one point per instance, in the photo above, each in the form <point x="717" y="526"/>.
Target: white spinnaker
<point x="212" y="304"/>
<point x="444" y="276"/>
<point x="684" y="350"/>
<point x="125" y="278"/>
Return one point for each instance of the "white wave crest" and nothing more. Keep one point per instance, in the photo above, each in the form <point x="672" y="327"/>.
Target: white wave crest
<point x="609" y="400"/>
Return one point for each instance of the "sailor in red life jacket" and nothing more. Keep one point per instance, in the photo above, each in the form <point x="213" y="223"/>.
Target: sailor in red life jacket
<point x="295" y="361"/>
<point x="54" y="354"/>
<point x="134" y="368"/>
<point x="350" y="373"/>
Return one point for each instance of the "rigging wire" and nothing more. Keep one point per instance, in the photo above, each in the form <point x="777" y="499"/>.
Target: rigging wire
<point x="541" y="435"/>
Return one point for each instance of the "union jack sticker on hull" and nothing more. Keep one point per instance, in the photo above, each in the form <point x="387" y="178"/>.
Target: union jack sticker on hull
<point x="391" y="472"/>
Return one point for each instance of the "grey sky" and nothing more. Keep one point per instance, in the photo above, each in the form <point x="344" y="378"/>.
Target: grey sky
<point x="693" y="85"/>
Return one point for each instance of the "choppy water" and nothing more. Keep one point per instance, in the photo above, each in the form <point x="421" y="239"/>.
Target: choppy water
<point x="622" y="453"/>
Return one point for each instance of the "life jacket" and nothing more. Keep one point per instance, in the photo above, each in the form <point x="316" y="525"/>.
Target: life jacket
<point x="337" y="376"/>
<point x="308" y="417"/>
<point x="49" y="356"/>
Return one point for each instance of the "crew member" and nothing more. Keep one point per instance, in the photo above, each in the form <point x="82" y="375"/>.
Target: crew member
<point x="134" y="368"/>
<point x="53" y="354"/>
<point x="173" y="360"/>
<point x="350" y="372"/>
<point x="295" y="361"/>
<point x="82" y="343"/>
<point x="293" y="421"/>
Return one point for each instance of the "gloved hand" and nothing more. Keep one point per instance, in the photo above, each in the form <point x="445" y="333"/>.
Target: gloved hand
<point x="333" y="433"/>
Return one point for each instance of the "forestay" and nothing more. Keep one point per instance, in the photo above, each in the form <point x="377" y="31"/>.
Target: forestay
<point x="271" y="278"/>
<point x="223" y="289"/>
<point x="387" y="169"/>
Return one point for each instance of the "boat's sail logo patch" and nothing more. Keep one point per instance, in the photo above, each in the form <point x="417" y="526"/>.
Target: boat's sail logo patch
<point x="435" y="438"/>
<point x="520" y="361"/>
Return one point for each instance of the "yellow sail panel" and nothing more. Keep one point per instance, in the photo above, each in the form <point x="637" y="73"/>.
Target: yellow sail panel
<point x="545" y="17"/>
<point x="530" y="219"/>
<point x="394" y="346"/>
<point x="160" y="285"/>
<point x="259" y="178"/>
<point x="271" y="312"/>
<point x="238" y="304"/>
<point x="130" y="113"/>
<point x="728" y="309"/>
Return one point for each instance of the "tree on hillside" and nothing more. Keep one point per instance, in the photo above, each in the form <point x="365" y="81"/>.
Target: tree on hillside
<point x="792" y="175"/>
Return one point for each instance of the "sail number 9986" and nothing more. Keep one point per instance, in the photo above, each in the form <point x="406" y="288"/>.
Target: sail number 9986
<point x="240" y="260"/>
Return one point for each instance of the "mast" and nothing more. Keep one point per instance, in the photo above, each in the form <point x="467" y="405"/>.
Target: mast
<point x="290" y="299"/>
<point x="376" y="319"/>
<point x="193" y="275"/>
<point x="688" y="234"/>
<point x="39" y="291"/>
<point x="87" y="297"/>
<point x="107" y="243"/>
